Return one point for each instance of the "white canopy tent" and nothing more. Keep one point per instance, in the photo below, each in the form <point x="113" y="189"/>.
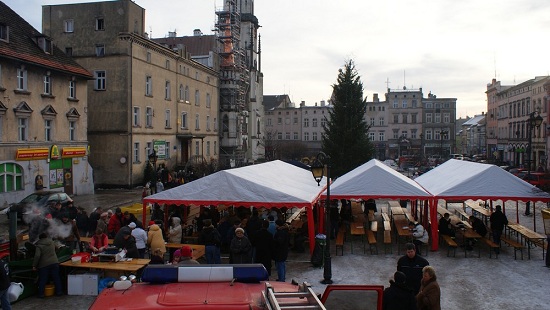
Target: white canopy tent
<point x="459" y="180"/>
<point x="272" y="184"/>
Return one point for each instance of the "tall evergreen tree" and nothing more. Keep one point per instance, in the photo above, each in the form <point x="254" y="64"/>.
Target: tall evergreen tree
<point x="345" y="138"/>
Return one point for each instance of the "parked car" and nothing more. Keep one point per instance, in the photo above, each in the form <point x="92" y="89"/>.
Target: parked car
<point x="41" y="199"/>
<point x="539" y="179"/>
<point x="516" y="171"/>
<point x="456" y="156"/>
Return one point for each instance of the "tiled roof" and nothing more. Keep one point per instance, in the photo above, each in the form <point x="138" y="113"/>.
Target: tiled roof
<point x="274" y="101"/>
<point x="195" y="45"/>
<point x="21" y="46"/>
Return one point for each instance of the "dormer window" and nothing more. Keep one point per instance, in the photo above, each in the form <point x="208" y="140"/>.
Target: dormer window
<point x="4" y="33"/>
<point x="45" y="44"/>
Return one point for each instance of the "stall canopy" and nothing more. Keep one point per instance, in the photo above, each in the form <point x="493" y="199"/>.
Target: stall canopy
<point x="375" y="180"/>
<point x="463" y="180"/>
<point x="272" y="184"/>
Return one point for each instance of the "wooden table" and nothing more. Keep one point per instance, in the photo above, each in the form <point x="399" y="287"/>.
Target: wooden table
<point x="397" y="211"/>
<point x="132" y="266"/>
<point x="469" y="234"/>
<point x="198" y="249"/>
<point x="357" y="229"/>
<point x="476" y="208"/>
<point x="526" y="236"/>
<point x="402" y="229"/>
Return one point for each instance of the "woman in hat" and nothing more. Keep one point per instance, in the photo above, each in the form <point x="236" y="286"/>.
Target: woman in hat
<point x="241" y="248"/>
<point x="429" y="297"/>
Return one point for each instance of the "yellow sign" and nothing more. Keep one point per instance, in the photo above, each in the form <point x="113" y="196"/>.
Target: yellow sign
<point x="69" y="152"/>
<point x="54" y="152"/>
<point x="32" y="154"/>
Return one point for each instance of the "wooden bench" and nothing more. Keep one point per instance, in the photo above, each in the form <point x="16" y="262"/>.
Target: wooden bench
<point x="385" y="217"/>
<point x="451" y="244"/>
<point x="463" y="215"/>
<point x="340" y="240"/>
<point x="387" y="226"/>
<point x="516" y="245"/>
<point x="374" y="226"/>
<point x="371" y="239"/>
<point x="387" y="241"/>
<point x="492" y="247"/>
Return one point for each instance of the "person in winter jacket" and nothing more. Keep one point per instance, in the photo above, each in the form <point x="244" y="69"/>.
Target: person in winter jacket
<point x="398" y="296"/>
<point x="174" y="234"/>
<point x="141" y="238"/>
<point x="280" y="253"/>
<point x="429" y="297"/>
<point x="103" y="222"/>
<point x="4" y="285"/>
<point x="115" y="223"/>
<point x="99" y="242"/>
<point x="241" y="248"/>
<point x="411" y="265"/>
<point x="125" y="240"/>
<point x="155" y="240"/>
<point x="498" y="221"/>
<point x="46" y="262"/>
<point x="420" y="235"/>
<point x="211" y="239"/>
<point x="263" y="241"/>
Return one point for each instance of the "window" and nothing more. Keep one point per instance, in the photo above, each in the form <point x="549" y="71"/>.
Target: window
<point x="395" y="134"/>
<point x="429" y="105"/>
<point x="197" y="148"/>
<point x="216" y="125"/>
<point x="148" y="117"/>
<point x="48" y="130"/>
<point x="269" y="122"/>
<point x="295" y="120"/>
<point x="396" y="118"/>
<point x="69" y="51"/>
<point x="148" y="57"/>
<point x="100" y="80"/>
<point x="446" y="118"/>
<point x="45" y="44"/>
<point x="47" y="85"/>
<point x="21" y="79"/>
<point x="372" y="121"/>
<point x="181" y="93"/>
<point x="167" y="119"/>
<point x="207" y="122"/>
<point x="287" y="121"/>
<point x="183" y="120"/>
<point x="381" y="136"/>
<point x="405" y="118"/>
<point x="99" y="23"/>
<point x="306" y="122"/>
<point x="287" y="136"/>
<point x="72" y="131"/>
<point x="414" y="103"/>
<point x="314" y="122"/>
<point x="72" y="89"/>
<point x="68" y="25"/>
<point x="215" y="148"/>
<point x="23" y="129"/>
<point x="197" y="122"/>
<point x="208" y="100"/>
<point x="100" y="50"/>
<point x="207" y="148"/>
<point x="167" y="64"/>
<point x="148" y="86"/>
<point x="413" y="118"/>
<point x="197" y="98"/>
<point x="4" y="33"/>
<point x="428" y="135"/>
<point x="314" y="136"/>
<point x="306" y="136"/>
<point x="381" y="121"/>
<point x="437" y="118"/>
<point x="413" y="134"/>
<point x="323" y="122"/>
<point x="167" y="90"/>
<point x="371" y="136"/>
<point x="167" y="153"/>
<point x="186" y="94"/>
<point x="11" y="177"/>
<point x="428" y="117"/>
<point x="395" y="104"/>
<point x="295" y="135"/>
<point x="279" y="136"/>
<point x="279" y="120"/>
<point x="405" y="104"/>
<point x="135" y="153"/>
<point x="136" y="116"/>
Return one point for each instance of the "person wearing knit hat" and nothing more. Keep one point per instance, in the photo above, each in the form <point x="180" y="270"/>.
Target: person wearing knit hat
<point x="132" y="225"/>
<point x="240" y="248"/>
<point x="186" y="256"/>
<point x="398" y="295"/>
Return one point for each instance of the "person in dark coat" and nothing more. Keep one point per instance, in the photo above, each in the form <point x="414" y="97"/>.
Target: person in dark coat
<point x="4" y="285"/>
<point x="46" y="262"/>
<point x="125" y="240"/>
<point x="429" y="297"/>
<point x="210" y="237"/>
<point x="93" y="218"/>
<point x="398" y="296"/>
<point x="411" y="265"/>
<point x="264" y="243"/>
<point x="241" y="248"/>
<point x="82" y="222"/>
<point x="498" y="221"/>
<point x="280" y="253"/>
<point x="445" y="227"/>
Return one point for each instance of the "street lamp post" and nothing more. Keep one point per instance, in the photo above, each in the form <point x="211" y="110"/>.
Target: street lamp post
<point x="532" y="122"/>
<point x="321" y="161"/>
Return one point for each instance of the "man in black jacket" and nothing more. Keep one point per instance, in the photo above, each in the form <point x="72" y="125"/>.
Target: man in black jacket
<point x="411" y="265"/>
<point x="398" y="296"/>
<point x="4" y="285"/>
<point x="498" y="221"/>
<point x="280" y="253"/>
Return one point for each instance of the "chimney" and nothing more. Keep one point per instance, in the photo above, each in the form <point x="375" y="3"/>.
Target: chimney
<point x="322" y="103"/>
<point x="302" y="104"/>
<point x="171" y="34"/>
<point x="375" y="98"/>
<point x="197" y="33"/>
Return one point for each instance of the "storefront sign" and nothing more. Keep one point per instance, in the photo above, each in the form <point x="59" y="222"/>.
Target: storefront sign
<point x="32" y="154"/>
<point x="69" y="152"/>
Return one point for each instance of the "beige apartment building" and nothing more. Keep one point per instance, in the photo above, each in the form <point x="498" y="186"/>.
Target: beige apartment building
<point x="144" y="96"/>
<point x="43" y="114"/>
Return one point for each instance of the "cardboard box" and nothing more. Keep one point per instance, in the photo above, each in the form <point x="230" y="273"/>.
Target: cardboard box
<point x="79" y="283"/>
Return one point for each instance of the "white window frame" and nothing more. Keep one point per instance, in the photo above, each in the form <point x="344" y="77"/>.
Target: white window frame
<point x="135" y="152"/>
<point x="215" y="148"/>
<point x="149" y="116"/>
<point x="100" y="50"/>
<point x="208" y="100"/>
<point x="68" y="25"/>
<point x="314" y="122"/>
<point x="181" y="93"/>
<point x="207" y="122"/>
<point x="207" y="148"/>
<point x="197" y="122"/>
<point x="186" y="97"/>
<point x="100" y="24"/>
<point x="306" y="136"/>
<point x="381" y="136"/>
<point x="72" y="130"/>
<point x="183" y="120"/>
<point x="197" y="148"/>
<point x="136" y="115"/>
<point x="197" y="97"/>
<point x="47" y="85"/>
<point x="148" y="86"/>
<point x="48" y="134"/>
<point x="22" y="129"/>
<point x="21" y="79"/>
<point x="100" y="82"/>
<point x="4" y="33"/>
<point x="167" y="152"/>
<point x="167" y="118"/>
<point x="167" y="90"/>
<point x="72" y="89"/>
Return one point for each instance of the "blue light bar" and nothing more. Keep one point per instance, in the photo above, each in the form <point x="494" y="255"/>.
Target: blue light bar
<point x="245" y="273"/>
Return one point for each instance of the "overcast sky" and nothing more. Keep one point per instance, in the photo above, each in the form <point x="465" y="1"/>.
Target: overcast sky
<point x="451" y="48"/>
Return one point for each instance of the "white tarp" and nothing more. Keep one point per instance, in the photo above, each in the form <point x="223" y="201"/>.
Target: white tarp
<point x="375" y="180"/>
<point x="270" y="184"/>
<point x="463" y="180"/>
